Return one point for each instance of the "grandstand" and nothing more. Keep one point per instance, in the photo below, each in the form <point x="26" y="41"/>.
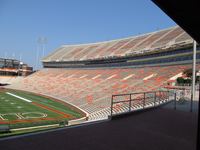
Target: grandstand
<point x="87" y="75"/>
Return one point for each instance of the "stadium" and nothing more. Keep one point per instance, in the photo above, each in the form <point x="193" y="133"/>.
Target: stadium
<point x="79" y="74"/>
<point x="85" y="84"/>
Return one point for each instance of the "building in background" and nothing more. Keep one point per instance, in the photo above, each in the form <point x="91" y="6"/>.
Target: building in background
<point x="13" y="67"/>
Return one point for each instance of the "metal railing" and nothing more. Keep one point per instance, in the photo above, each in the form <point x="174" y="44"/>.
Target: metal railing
<point x="123" y="103"/>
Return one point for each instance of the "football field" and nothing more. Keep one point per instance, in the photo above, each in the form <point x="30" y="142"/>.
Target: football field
<point x="23" y="109"/>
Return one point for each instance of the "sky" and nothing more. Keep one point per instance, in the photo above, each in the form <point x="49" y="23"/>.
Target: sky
<point x="62" y="22"/>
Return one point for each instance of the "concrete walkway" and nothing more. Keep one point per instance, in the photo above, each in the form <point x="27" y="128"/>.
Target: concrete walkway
<point x="156" y="129"/>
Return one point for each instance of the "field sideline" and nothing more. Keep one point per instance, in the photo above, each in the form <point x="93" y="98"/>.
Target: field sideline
<point x="23" y="109"/>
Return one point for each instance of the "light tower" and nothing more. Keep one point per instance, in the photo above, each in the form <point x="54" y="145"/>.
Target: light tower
<point x="42" y="41"/>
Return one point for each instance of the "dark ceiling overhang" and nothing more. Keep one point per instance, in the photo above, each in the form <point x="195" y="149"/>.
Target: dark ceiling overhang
<point x="185" y="13"/>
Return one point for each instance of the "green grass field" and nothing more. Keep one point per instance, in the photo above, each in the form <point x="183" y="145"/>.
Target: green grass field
<point x="22" y="109"/>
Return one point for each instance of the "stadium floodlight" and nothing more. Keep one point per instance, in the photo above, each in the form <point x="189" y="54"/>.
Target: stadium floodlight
<point x="5" y="55"/>
<point x="37" y="55"/>
<point x="13" y="56"/>
<point x="42" y="41"/>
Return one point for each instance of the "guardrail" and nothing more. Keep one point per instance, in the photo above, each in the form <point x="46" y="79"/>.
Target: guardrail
<point x="123" y="103"/>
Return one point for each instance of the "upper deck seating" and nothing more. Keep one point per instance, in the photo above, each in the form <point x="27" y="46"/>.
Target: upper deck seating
<point x="121" y="47"/>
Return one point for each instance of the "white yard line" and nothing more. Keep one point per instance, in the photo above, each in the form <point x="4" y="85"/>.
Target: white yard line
<point x="18" y="97"/>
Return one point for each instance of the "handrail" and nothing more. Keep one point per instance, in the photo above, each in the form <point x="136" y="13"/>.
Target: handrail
<point x="138" y="93"/>
<point x="157" y="97"/>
